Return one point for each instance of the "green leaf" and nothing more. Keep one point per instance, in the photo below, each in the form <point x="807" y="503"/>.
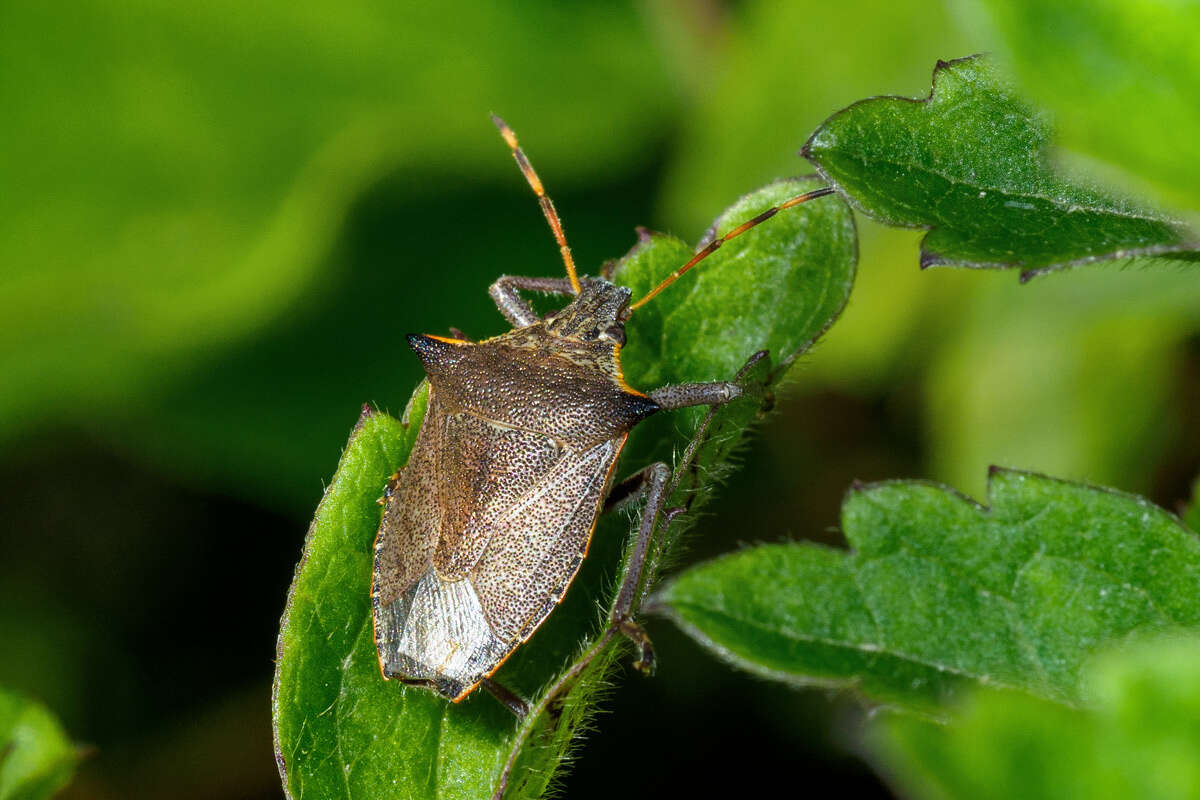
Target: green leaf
<point x="969" y="162"/>
<point x="1138" y="739"/>
<point x="1122" y="80"/>
<point x="177" y="174"/>
<point x="776" y="288"/>
<point x="939" y="593"/>
<point x="759" y="94"/>
<point x="36" y="758"/>
<point x="342" y="732"/>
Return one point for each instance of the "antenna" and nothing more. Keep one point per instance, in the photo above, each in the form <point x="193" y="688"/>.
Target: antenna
<point x="544" y="200"/>
<point x="712" y="246"/>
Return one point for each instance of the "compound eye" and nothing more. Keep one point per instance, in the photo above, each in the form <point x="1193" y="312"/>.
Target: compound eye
<point x="614" y="333"/>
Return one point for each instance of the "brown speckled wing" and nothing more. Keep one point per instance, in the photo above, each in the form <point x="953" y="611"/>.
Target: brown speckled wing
<point x="487" y="469"/>
<point x="487" y="525"/>
<point x="427" y="630"/>
<point x="536" y="547"/>
<point x="480" y="538"/>
<point x="409" y="531"/>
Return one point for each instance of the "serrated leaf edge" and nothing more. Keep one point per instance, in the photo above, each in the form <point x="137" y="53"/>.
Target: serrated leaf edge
<point x="659" y="603"/>
<point x="929" y="258"/>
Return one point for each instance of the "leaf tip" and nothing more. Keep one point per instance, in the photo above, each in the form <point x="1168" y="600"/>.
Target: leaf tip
<point x="817" y="145"/>
<point x="942" y="64"/>
<point x="364" y="416"/>
<point x="931" y="258"/>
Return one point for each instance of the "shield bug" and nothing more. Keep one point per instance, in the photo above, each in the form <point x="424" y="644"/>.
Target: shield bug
<point x="485" y="527"/>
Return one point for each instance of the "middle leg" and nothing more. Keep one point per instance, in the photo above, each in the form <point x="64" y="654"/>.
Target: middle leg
<point x="653" y="483"/>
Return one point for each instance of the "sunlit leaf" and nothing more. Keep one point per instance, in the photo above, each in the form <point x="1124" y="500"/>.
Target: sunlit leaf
<point x="939" y="593"/>
<point x="970" y="163"/>
<point x="777" y="291"/>
<point x="1122" y="80"/>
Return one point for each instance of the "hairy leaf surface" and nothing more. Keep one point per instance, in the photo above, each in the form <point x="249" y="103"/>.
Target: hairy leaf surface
<point x="939" y="593"/>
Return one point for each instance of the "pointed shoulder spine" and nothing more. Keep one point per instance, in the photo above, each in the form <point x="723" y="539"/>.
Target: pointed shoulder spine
<point x="434" y="351"/>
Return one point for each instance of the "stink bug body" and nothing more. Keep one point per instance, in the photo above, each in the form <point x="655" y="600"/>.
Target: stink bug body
<point x="485" y="527"/>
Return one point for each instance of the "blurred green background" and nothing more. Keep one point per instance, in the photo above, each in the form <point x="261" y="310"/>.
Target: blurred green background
<point x="219" y="220"/>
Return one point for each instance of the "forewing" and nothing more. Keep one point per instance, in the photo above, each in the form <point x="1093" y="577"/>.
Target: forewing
<point x="427" y="629"/>
<point x="536" y="546"/>
<point x="487" y="470"/>
<point x="411" y="524"/>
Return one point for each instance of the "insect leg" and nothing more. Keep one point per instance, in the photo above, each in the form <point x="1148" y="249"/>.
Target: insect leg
<point x="506" y="696"/>
<point x="682" y="395"/>
<point x="653" y="482"/>
<point x="654" y="479"/>
<point x="628" y="490"/>
<point x="505" y="293"/>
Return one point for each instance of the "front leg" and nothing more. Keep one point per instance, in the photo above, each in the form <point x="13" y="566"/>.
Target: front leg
<point x="506" y="290"/>
<point x="682" y="395"/>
